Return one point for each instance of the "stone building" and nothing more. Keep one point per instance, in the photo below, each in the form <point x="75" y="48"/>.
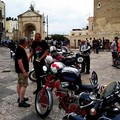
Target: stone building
<point x="11" y="28"/>
<point x="107" y="18"/>
<point x="2" y="20"/>
<point x="31" y="22"/>
<point x="81" y="34"/>
<point x="105" y="24"/>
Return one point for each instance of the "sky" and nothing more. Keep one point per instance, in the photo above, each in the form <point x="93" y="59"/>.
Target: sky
<point x="63" y="15"/>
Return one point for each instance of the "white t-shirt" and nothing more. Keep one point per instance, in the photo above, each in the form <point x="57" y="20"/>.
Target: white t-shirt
<point x="114" y="46"/>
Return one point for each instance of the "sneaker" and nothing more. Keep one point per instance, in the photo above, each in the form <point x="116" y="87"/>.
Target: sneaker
<point x="25" y="99"/>
<point x="23" y="104"/>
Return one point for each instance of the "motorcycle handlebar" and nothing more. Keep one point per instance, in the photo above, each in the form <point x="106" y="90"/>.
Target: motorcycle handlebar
<point x="97" y="104"/>
<point x="44" y="75"/>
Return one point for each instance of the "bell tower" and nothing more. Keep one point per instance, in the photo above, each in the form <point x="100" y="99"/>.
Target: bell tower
<point x="107" y="18"/>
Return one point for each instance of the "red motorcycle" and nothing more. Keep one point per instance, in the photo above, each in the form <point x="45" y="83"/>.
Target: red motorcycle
<point x="66" y="82"/>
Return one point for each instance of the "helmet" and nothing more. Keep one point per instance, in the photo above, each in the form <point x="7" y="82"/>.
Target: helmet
<point x="48" y="59"/>
<point x="52" y="48"/>
<point x="56" y="66"/>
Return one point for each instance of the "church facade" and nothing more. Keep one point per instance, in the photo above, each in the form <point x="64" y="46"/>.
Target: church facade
<point x="31" y="22"/>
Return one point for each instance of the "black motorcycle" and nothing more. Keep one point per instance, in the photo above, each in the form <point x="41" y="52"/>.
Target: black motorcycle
<point x="103" y="107"/>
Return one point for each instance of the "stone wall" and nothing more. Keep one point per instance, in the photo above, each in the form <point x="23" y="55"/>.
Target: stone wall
<point x="107" y="18"/>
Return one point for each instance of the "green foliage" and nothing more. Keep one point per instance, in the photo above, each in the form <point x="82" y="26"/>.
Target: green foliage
<point x="57" y="37"/>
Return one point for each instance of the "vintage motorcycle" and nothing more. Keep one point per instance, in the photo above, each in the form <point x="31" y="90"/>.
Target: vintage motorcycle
<point x="104" y="107"/>
<point x="68" y="61"/>
<point x="67" y="85"/>
<point x="48" y="61"/>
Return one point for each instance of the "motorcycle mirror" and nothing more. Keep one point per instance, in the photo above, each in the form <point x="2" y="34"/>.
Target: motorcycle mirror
<point x="94" y="78"/>
<point x="44" y="68"/>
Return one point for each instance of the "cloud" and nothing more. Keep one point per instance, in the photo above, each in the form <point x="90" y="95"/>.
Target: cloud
<point x="63" y="15"/>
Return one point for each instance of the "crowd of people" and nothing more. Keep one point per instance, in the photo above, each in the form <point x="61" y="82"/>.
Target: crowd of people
<point x="98" y="45"/>
<point x="38" y="50"/>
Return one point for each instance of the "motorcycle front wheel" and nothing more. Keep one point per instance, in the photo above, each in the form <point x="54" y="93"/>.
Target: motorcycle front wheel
<point x="32" y="76"/>
<point x="44" y="103"/>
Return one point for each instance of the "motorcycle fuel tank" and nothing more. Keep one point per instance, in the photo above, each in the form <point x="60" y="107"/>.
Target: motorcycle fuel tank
<point x="70" y="74"/>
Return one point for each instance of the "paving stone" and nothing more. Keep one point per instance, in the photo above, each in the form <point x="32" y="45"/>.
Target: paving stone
<point x="9" y="110"/>
<point x="5" y="92"/>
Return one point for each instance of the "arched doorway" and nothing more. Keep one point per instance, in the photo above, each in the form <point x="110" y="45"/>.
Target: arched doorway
<point x="31" y="22"/>
<point x="29" y="30"/>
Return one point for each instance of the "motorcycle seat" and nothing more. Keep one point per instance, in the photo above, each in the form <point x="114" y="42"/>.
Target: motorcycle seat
<point x="87" y="87"/>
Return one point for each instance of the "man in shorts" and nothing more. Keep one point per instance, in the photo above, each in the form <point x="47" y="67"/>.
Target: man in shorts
<point x="22" y="69"/>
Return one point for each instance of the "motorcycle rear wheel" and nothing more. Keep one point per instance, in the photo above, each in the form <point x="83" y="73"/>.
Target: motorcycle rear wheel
<point x="44" y="103"/>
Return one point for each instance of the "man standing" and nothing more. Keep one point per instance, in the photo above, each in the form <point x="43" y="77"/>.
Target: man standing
<point x="22" y="68"/>
<point x="12" y="48"/>
<point x="114" y="49"/>
<point x="39" y="50"/>
<point x="85" y="51"/>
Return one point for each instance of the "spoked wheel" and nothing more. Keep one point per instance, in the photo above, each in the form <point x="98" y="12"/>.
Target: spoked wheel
<point x="117" y="63"/>
<point x="43" y="103"/>
<point x="32" y="76"/>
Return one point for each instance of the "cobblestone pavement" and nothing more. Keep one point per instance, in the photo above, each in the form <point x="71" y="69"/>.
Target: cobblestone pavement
<point x="9" y="110"/>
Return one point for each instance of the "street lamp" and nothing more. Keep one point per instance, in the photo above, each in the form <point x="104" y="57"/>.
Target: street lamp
<point x="46" y="21"/>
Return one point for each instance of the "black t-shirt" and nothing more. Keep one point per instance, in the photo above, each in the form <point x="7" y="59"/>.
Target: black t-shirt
<point x="39" y="47"/>
<point x="21" y="54"/>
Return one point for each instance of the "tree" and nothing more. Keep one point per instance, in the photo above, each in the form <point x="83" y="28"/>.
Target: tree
<point x="62" y="38"/>
<point x="57" y="37"/>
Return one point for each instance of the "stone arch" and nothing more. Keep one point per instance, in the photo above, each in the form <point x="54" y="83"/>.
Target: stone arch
<point x="29" y="30"/>
<point x="31" y="22"/>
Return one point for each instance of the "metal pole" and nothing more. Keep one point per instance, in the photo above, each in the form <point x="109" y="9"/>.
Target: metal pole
<point x="47" y="27"/>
